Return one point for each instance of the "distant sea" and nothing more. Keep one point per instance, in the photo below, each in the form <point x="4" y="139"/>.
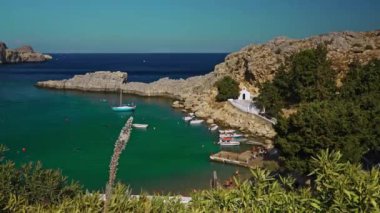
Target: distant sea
<point x="75" y="131"/>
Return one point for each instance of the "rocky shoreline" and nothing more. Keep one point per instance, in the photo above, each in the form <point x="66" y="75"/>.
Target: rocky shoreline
<point x="250" y="66"/>
<point x="24" y="54"/>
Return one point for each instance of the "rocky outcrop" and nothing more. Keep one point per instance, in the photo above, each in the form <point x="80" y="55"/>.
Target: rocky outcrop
<point x="22" y="54"/>
<point x="258" y="63"/>
<point x="100" y="81"/>
<point x="3" y="47"/>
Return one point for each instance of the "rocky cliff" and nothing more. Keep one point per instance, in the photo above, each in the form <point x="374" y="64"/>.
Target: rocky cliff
<point x="100" y="81"/>
<point x="250" y="66"/>
<point x="258" y="63"/>
<point x="20" y="55"/>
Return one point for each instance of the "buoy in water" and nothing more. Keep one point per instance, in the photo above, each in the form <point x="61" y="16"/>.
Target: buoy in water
<point x="23" y="149"/>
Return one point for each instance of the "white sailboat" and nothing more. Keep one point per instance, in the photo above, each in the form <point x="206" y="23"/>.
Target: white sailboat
<point x="121" y="107"/>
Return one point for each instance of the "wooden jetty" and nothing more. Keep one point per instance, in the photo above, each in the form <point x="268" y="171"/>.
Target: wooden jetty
<point x="246" y="159"/>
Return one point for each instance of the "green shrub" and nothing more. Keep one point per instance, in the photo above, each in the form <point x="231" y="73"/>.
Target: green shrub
<point x="227" y="88"/>
<point x="34" y="185"/>
<point x="308" y="78"/>
<point x="337" y="187"/>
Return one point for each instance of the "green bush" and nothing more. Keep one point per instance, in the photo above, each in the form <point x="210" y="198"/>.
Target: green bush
<point x="349" y="122"/>
<point x="227" y="88"/>
<point x="308" y="78"/>
<point x="34" y="185"/>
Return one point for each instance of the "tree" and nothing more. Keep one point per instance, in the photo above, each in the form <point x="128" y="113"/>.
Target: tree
<point x="227" y="88"/>
<point x="270" y="99"/>
<point x="361" y="80"/>
<point x="335" y="125"/>
<point x="309" y="78"/>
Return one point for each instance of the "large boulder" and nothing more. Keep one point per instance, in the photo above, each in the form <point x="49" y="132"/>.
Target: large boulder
<point x="20" y="55"/>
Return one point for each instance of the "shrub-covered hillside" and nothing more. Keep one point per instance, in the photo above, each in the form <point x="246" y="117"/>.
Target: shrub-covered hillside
<point x="345" y="118"/>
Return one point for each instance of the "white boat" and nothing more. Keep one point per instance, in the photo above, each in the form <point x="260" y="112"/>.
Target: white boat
<point x="140" y="126"/>
<point x="124" y="108"/>
<point x="213" y="127"/>
<point x="196" y="121"/>
<point x="231" y="135"/>
<point x="188" y="118"/>
<point x="228" y="142"/>
<point x="121" y="107"/>
<point x="191" y="114"/>
<point x="226" y="131"/>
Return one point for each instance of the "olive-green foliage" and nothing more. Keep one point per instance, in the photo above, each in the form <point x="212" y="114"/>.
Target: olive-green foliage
<point x="270" y="99"/>
<point x="227" y="88"/>
<point x="33" y="184"/>
<point x="345" y="187"/>
<point x="350" y="122"/>
<point x="338" y="187"/>
<point x="361" y="80"/>
<point x="337" y="125"/>
<point x="121" y="201"/>
<point x="309" y="78"/>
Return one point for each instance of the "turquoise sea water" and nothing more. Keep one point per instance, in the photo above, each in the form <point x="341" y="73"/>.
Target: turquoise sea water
<point x="76" y="131"/>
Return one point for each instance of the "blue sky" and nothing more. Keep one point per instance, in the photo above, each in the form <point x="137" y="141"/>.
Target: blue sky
<point x="175" y="25"/>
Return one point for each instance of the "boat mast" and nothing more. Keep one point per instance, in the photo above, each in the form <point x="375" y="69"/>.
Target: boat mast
<point x="120" y="98"/>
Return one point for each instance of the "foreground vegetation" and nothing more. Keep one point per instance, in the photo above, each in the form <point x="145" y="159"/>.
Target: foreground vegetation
<point x="343" y="118"/>
<point x="337" y="187"/>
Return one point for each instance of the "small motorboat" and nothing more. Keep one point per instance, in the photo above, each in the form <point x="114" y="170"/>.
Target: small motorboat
<point x="188" y="118"/>
<point x="213" y="127"/>
<point x="140" y="126"/>
<point x="228" y="142"/>
<point x="196" y="121"/>
<point x="231" y="135"/>
<point x="192" y="114"/>
<point x="228" y="131"/>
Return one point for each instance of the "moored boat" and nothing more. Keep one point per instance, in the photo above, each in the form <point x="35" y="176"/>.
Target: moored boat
<point x="188" y="118"/>
<point x="196" y="121"/>
<point x="124" y="108"/>
<point x="232" y="135"/>
<point x="213" y="127"/>
<point x="228" y="142"/>
<point x="226" y="131"/>
<point x="121" y="107"/>
<point x="141" y="126"/>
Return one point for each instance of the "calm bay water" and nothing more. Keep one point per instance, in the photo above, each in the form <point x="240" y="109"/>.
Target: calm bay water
<point x="76" y="131"/>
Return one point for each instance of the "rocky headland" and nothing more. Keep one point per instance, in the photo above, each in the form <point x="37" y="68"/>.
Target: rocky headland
<point x="22" y="54"/>
<point x="100" y="81"/>
<point x="251" y="66"/>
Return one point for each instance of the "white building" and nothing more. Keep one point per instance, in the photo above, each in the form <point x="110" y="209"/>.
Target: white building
<point x="245" y="95"/>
